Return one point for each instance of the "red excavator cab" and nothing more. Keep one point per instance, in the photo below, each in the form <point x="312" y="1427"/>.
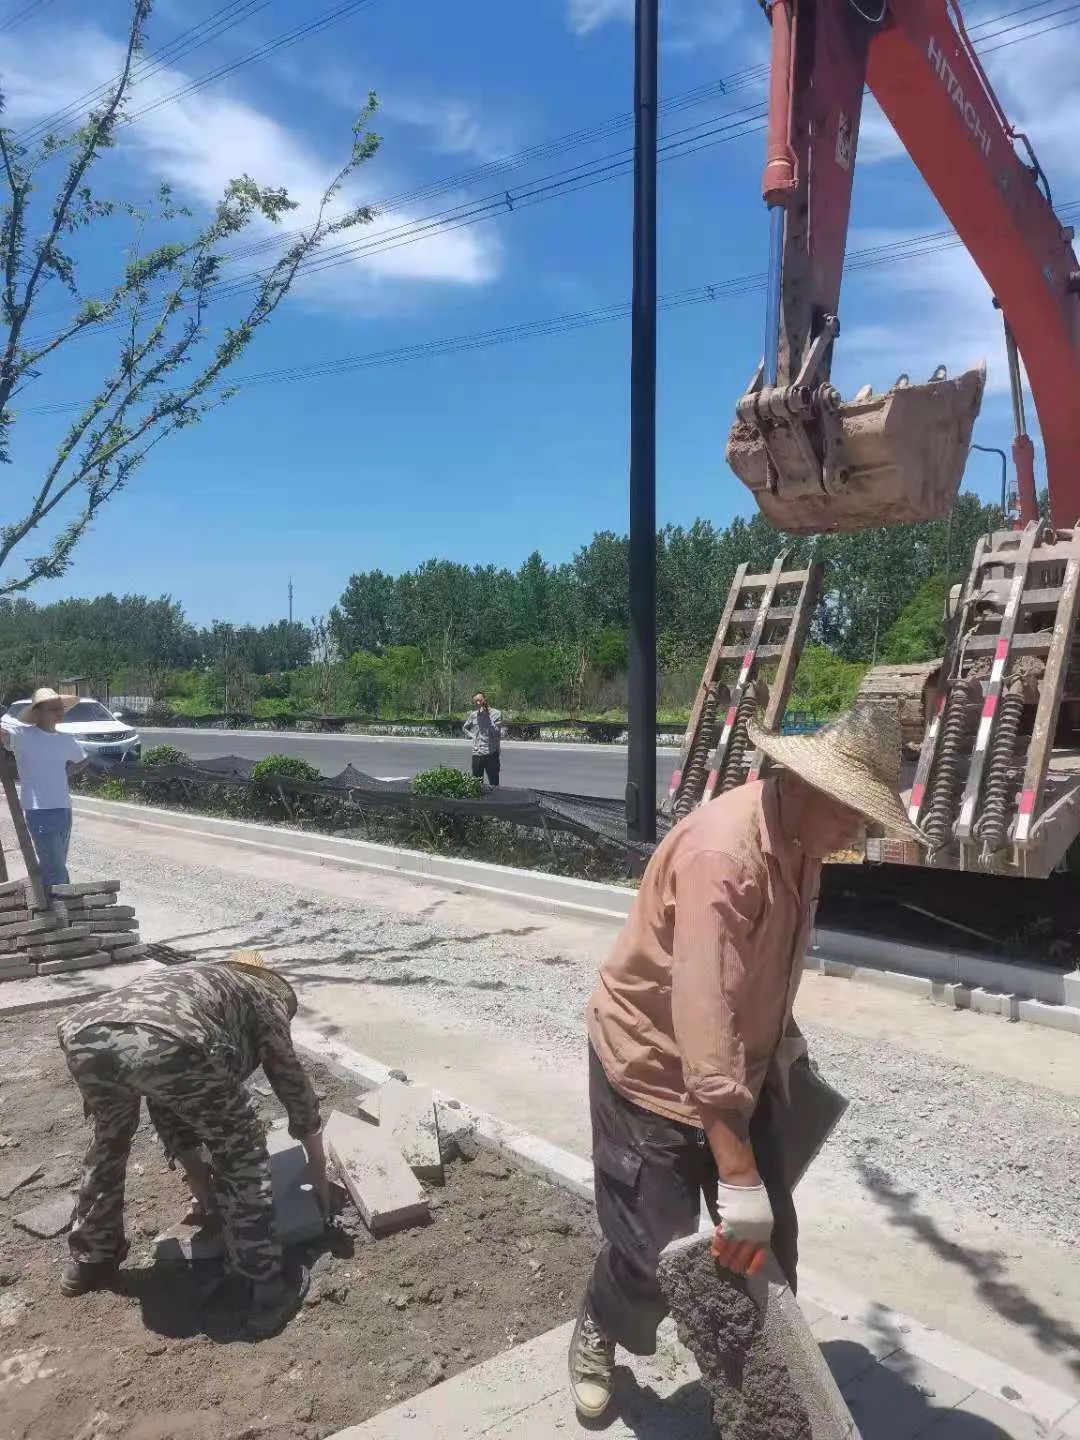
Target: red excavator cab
<point x="815" y="463"/>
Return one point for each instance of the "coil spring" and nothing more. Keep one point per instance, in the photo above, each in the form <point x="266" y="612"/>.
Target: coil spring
<point x="945" y="786"/>
<point x="731" y="774"/>
<point x="693" y="781"/>
<point x="993" y="823"/>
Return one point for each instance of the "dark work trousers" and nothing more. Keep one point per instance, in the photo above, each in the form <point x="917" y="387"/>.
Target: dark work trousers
<point x="650" y="1175"/>
<point x="486" y="766"/>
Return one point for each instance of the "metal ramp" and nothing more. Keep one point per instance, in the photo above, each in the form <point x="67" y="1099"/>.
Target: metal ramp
<point x="990" y="790"/>
<point x="757" y="645"/>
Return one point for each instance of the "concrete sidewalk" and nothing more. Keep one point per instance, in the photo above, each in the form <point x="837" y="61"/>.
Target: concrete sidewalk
<point x="893" y="1393"/>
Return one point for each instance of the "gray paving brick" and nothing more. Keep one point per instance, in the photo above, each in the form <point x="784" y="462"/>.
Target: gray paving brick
<point x="984" y="1417"/>
<point x="407" y="1116"/>
<point x="902" y="1397"/>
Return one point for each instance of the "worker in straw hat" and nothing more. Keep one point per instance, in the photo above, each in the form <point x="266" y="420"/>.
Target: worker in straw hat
<point x="186" y="1040"/>
<point x="46" y="758"/>
<point x="690" y="1026"/>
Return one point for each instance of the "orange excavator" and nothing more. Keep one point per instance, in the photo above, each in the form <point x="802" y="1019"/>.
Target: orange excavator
<point x="992" y="728"/>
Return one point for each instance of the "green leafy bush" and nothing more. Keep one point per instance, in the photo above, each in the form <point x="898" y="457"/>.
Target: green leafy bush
<point x="824" y="684"/>
<point x="112" y="788"/>
<point x="918" y="633"/>
<point x="270" y="803"/>
<point x="289" y="767"/>
<point x="164" y="755"/>
<point x="450" y="783"/>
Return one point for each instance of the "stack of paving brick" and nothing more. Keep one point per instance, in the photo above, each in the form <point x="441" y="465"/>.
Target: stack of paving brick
<point x="83" y="926"/>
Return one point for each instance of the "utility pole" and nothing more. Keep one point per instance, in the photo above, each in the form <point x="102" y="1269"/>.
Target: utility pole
<point x="641" y="699"/>
<point x="289" y="639"/>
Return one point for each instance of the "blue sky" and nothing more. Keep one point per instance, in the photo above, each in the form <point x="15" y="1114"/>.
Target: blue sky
<point x="488" y="454"/>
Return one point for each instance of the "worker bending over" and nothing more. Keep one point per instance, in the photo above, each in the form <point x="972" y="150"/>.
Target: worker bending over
<point x="691" y="1032"/>
<point x="186" y="1041"/>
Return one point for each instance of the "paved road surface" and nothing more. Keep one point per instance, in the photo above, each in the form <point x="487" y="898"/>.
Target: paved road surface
<point x="574" y="769"/>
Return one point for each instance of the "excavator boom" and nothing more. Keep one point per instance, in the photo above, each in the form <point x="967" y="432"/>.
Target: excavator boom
<point x="813" y="461"/>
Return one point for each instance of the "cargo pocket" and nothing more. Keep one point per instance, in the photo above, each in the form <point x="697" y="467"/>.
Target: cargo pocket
<point x="617" y="1162"/>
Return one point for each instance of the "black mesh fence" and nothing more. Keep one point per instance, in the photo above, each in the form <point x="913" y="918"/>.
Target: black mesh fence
<point x="590" y="817"/>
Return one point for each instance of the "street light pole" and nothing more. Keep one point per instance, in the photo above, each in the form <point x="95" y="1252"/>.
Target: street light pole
<point x="641" y="700"/>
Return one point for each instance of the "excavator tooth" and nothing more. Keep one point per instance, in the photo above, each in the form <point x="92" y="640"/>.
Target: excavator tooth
<point x="875" y="460"/>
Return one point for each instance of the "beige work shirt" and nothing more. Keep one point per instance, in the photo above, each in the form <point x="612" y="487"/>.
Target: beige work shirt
<point x="691" y="1005"/>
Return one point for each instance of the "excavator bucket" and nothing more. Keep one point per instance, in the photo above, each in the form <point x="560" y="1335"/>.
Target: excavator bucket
<point x="874" y="460"/>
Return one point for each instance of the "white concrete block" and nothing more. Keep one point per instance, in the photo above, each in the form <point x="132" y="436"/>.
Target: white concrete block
<point x="74" y="962"/>
<point x="1071" y="984"/>
<point x="1057" y="1017"/>
<point x="993" y="1002"/>
<point x="85" y="887"/>
<point x="407" y="1117"/>
<point x="381" y="1185"/>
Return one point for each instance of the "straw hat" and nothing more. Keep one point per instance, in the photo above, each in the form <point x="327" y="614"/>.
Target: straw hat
<point x="45" y="696"/>
<point x="252" y="963"/>
<point x="855" y="760"/>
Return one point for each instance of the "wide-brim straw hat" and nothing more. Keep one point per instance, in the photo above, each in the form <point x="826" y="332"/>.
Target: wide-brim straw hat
<point x="855" y="760"/>
<point x="253" y="963"/>
<point x="45" y="696"/>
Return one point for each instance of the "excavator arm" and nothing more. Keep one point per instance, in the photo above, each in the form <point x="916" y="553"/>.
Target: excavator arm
<point x="813" y="461"/>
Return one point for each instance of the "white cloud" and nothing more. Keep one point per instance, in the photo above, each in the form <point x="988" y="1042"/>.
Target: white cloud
<point x="910" y="316"/>
<point x="200" y="143"/>
<point x="452" y="127"/>
<point x="687" y="24"/>
<point x="585" y="16"/>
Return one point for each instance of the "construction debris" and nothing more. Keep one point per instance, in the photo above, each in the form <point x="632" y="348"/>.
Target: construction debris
<point x="14" y="1177"/>
<point x="380" y="1184"/>
<point x="758" y="1358"/>
<point x="81" y="926"/>
<point x="50" y="1218"/>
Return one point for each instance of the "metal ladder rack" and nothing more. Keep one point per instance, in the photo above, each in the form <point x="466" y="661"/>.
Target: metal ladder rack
<point x="979" y="785"/>
<point x="764" y="620"/>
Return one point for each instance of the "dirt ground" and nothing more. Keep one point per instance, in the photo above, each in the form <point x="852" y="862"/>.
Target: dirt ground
<point x="504" y="1259"/>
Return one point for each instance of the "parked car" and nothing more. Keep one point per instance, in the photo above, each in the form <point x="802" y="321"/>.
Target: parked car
<point x="100" y="732"/>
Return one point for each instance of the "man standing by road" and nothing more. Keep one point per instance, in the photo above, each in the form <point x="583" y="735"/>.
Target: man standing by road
<point x="690" y="1027"/>
<point x="186" y="1041"/>
<point x="46" y="759"/>
<point x="484" y="728"/>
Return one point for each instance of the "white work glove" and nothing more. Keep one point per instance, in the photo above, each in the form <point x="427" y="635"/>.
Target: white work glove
<point x="746" y="1215"/>
<point x="741" y="1241"/>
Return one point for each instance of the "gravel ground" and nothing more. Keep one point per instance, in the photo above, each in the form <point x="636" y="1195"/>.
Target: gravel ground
<point x="918" y="1126"/>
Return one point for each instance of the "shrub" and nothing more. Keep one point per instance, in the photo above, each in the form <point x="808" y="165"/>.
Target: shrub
<point x="272" y="804"/>
<point x="164" y="755"/>
<point x="450" y="783"/>
<point x="824" y="684"/>
<point x="288" y="767"/>
<point x="112" y="788"/>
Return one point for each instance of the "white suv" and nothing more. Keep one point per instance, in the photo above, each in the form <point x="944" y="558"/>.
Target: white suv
<point x="100" y="732"/>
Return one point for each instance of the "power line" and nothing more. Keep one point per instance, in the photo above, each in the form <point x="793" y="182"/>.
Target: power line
<point x="679" y="144"/>
<point x="17" y="18"/>
<point x="889" y="253"/>
<point x="217" y="23"/>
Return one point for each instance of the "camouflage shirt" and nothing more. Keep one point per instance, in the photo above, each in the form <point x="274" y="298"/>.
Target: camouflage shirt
<point x="224" y="1013"/>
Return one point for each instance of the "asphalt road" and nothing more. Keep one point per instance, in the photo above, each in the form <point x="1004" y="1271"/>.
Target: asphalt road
<point x="573" y="769"/>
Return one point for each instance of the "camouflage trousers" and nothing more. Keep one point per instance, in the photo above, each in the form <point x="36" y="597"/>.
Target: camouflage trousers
<point x="192" y="1101"/>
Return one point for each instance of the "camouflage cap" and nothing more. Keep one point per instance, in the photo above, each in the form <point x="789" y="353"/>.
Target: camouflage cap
<point x="253" y="963"/>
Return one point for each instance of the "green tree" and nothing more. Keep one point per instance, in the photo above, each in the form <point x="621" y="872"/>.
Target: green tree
<point x="168" y="364"/>
<point x="918" y="632"/>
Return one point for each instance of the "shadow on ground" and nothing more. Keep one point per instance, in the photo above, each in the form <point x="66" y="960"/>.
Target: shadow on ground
<point x="987" y="1268"/>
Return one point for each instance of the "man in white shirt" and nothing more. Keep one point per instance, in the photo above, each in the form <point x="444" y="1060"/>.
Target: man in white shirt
<point x="46" y="758"/>
<point x="484" y="728"/>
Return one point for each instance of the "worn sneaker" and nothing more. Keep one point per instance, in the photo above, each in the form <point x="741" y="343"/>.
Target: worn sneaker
<point x="274" y="1303"/>
<point x="592" y="1367"/>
